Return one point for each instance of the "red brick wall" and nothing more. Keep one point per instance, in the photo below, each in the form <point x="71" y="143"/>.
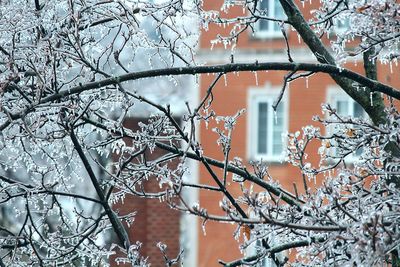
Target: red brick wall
<point x="304" y="103"/>
<point x="154" y="222"/>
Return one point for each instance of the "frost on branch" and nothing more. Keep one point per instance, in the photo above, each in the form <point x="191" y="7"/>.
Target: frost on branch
<point x="352" y="27"/>
<point x="73" y="73"/>
<point x="59" y="133"/>
<point x="373" y="23"/>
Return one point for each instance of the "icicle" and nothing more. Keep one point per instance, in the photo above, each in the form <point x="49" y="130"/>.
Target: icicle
<point x="391" y="67"/>
<point x="370" y="99"/>
<point x="276" y="117"/>
<point x="237" y="235"/>
<point x="203" y="227"/>
<point x="256" y="77"/>
<point x="307" y="82"/>
<point x="225" y="80"/>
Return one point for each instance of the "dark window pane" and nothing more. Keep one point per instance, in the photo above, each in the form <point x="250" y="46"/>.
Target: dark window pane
<point x="264" y="25"/>
<point x="264" y="5"/>
<point x="342" y="25"/>
<point x="265" y="9"/>
<point x="272" y="9"/>
<point x="262" y="124"/>
<point x="342" y="108"/>
<point x="358" y="110"/>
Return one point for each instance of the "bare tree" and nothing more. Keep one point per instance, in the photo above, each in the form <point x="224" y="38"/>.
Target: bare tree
<point x="71" y="74"/>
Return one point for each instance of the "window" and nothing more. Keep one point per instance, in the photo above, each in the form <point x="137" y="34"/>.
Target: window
<point x="266" y="28"/>
<point x="341" y="21"/>
<point x="266" y="126"/>
<point x="348" y="107"/>
<point x="345" y="107"/>
<point x="341" y="26"/>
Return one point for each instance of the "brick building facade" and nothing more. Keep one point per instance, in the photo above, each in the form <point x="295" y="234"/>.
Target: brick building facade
<point x="258" y="133"/>
<point x="154" y="220"/>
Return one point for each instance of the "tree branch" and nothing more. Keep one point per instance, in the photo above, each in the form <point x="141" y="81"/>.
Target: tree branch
<point x="115" y="222"/>
<point x="284" y="195"/>
<point x="227" y="68"/>
<point x="297" y="20"/>
<point x="276" y="249"/>
<point x="374" y="86"/>
<point x="45" y="191"/>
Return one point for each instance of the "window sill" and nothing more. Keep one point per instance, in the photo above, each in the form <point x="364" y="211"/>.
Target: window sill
<point x="257" y="36"/>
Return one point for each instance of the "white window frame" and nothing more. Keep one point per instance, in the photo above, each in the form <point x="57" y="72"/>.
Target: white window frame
<point x="267" y="94"/>
<point x="334" y="95"/>
<point x="271" y="32"/>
